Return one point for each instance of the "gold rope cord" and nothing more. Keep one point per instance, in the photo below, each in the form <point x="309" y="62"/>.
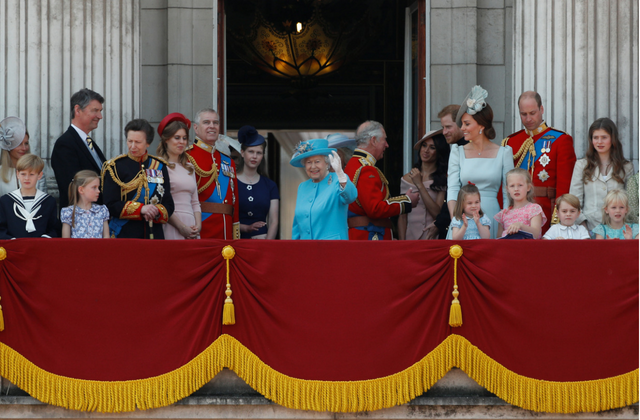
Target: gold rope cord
<point x="136" y="183"/>
<point x="527" y="146"/>
<point x="212" y="173"/>
<point x="333" y="396"/>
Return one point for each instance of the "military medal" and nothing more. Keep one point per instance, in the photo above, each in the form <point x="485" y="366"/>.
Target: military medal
<point x="543" y="175"/>
<point x="545" y="159"/>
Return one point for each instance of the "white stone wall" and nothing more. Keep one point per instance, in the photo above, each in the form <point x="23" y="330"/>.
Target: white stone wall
<point x="582" y="57"/>
<point x="470" y="45"/>
<point x="176" y="58"/>
<point x="51" y="49"/>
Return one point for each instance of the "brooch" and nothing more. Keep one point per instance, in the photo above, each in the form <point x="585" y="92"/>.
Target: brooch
<point x="543" y="175"/>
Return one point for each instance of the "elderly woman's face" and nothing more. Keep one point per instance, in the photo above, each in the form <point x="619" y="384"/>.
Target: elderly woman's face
<point x="316" y="167"/>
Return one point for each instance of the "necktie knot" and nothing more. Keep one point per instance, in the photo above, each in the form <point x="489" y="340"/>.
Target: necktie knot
<point x="90" y="143"/>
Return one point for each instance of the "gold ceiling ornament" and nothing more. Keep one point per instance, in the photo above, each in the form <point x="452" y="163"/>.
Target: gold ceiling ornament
<point x="301" y="40"/>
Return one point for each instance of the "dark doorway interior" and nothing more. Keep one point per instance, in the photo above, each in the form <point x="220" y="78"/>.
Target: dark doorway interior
<point x="368" y="89"/>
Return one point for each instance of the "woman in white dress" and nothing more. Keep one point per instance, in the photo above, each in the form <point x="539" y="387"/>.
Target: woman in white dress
<point x="186" y="220"/>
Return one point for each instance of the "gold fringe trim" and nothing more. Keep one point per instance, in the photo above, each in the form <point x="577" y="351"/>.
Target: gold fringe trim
<point x="333" y="396"/>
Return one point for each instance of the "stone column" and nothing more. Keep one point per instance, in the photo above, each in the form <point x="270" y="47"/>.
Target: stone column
<point x="177" y="58"/>
<point x="51" y="49"/>
<point x="582" y="57"/>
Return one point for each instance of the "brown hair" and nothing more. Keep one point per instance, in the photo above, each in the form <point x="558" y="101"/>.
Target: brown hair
<point x="451" y="110"/>
<point x="169" y="131"/>
<point x="527" y="177"/>
<point x="81" y="179"/>
<point x="531" y="94"/>
<point x="484" y="117"/>
<point x="458" y="211"/>
<point x="612" y="197"/>
<point x="615" y="153"/>
<point x="570" y="199"/>
<point x="30" y="161"/>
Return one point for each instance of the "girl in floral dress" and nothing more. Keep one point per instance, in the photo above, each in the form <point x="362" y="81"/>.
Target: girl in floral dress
<point x="84" y="218"/>
<point x="523" y="219"/>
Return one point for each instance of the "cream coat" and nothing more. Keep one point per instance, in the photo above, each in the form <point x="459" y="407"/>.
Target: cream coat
<point x="592" y="194"/>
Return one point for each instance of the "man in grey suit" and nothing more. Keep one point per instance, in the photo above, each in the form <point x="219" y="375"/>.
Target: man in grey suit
<point x="75" y="150"/>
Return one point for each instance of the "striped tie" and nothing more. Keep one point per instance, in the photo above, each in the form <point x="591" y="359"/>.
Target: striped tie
<point x="90" y="143"/>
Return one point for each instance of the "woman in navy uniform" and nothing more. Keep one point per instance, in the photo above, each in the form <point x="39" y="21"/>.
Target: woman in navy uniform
<point x="136" y="187"/>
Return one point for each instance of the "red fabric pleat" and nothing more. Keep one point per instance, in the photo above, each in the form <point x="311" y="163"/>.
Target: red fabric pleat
<point x="325" y="310"/>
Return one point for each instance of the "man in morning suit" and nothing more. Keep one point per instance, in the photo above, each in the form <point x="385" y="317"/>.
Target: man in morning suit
<point x="547" y="153"/>
<point x="216" y="179"/>
<point x="369" y="216"/>
<point x="75" y="150"/>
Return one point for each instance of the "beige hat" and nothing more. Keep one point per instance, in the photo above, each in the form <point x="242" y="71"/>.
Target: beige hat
<point x="426" y="137"/>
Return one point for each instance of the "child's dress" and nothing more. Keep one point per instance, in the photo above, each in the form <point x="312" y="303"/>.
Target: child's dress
<point x="523" y="215"/>
<point x="88" y="223"/>
<point x="607" y="232"/>
<point x="567" y="232"/>
<point x="472" y="229"/>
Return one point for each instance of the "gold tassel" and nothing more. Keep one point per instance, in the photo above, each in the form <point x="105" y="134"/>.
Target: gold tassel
<point x="1" y="319"/>
<point x="3" y="255"/>
<point x="455" y="314"/>
<point x="228" y="313"/>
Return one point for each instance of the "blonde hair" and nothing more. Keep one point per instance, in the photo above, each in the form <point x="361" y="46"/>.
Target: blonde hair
<point x="30" y="161"/>
<point x="81" y="179"/>
<point x="612" y="197"/>
<point x="5" y="162"/>
<point x="570" y="199"/>
<point x="527" y="177"/>
<point x="466" y="190"/>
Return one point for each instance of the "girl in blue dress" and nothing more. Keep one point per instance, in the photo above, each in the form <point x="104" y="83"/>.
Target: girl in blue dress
<point x="469" y="222"/>
<point x="84" y="218"/>
<point x="614" y="218"/>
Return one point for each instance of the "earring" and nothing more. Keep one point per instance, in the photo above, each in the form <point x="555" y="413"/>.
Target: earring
<point x="481" y="131"/>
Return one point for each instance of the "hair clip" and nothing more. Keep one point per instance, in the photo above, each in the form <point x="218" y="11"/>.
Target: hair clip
<point x="471" y="183"/>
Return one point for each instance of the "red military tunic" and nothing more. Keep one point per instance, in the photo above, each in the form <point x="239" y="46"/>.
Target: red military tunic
<point x="369" y="215"/>
<point x="217" y="191"/>
<point x="551" y="170"/>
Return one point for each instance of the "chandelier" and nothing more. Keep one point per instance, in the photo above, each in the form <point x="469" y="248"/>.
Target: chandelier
<point x="301" y="40"/>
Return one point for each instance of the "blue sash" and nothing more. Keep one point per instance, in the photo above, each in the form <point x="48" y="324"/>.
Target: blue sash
<point x="550" y="136"/>
<point x="116" y="224"/>
<point x="223" y="181"/>
<point x="371" y="228"/>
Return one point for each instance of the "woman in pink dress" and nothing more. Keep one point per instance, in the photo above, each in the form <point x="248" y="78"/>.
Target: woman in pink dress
<point x="429" y="178"/>
<point x="185" y="222"/>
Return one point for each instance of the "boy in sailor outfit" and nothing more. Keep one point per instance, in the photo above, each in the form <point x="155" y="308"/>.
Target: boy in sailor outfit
<point x="28" y="212"/>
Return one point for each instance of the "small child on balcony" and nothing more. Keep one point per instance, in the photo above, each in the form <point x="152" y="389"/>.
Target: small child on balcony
<point x="568" y="208"/>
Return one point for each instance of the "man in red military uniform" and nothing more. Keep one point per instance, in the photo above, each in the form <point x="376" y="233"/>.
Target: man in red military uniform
<point x="545" y="152"/>
<point x="216" y="178"/>
<point x="369" y="216"/>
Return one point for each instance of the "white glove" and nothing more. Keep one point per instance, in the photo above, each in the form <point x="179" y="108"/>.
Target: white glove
<point x="336" y="164"/>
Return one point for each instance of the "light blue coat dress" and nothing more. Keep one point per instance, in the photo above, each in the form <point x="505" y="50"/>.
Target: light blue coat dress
<point x="321" y="209"/>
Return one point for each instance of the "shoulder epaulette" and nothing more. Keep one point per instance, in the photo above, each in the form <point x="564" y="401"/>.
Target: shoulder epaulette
<point x="559" y="131"/>
<point x="506" y="139"/>
<point x="189" y="147"/>
<point x="112" y="161"/>
<point x="158" y="159"/>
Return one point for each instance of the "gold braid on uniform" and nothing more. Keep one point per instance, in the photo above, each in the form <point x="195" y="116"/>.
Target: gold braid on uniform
<point x="136" y="183"/>
<point x="527" y="146"/>
<point x="212" y="174"/>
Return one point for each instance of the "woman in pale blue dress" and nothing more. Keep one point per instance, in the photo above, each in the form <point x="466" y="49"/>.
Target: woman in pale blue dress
<point x="481" y="161"/>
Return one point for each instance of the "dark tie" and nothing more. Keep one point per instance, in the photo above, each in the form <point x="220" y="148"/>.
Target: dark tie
<point x="90" y="143"/>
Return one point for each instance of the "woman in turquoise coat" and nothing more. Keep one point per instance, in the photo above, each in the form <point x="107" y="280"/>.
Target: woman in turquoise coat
<point x="323" y="200"/>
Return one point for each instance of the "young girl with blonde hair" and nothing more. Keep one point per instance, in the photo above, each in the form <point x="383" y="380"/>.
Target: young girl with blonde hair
<point x="614" y="218"/>
<point x="523" y="219"/>
<point x="84" y="218"/>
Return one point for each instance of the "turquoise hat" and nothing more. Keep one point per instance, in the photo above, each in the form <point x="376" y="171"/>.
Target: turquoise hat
<point x="309" y="148"/>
